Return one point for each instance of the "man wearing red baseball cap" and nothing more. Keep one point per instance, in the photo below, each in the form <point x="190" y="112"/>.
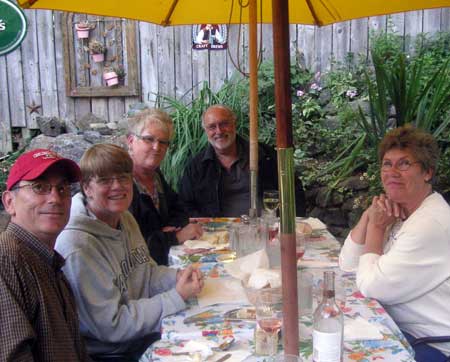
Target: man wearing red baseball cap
<point x="38" y="316"/>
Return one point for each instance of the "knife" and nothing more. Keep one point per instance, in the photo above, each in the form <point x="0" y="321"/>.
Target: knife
<point x="224" y="358"/>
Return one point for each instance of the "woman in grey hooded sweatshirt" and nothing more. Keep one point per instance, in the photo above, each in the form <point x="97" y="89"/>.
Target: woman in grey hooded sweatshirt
<point x="122" y="294"/>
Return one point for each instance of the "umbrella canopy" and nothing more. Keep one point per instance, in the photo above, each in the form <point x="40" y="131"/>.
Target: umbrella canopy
<point x="185" y="12"/>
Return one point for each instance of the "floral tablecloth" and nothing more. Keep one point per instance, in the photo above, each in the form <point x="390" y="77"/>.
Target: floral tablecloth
<point x="321" y="254"/>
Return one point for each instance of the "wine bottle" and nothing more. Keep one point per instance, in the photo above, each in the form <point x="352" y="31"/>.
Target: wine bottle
<point x="328" y="327"/>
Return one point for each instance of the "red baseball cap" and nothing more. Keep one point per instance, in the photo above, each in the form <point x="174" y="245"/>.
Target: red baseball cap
<point x="30" y="165"/>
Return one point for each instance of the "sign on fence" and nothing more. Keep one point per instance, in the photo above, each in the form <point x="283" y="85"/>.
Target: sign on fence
<point x="13" y="26"/>
<point x="209" y="36"/>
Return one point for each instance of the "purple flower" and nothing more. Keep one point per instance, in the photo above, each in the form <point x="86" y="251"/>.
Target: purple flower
<point x="300" y="93"/>
<point x="316" y="87"/>
<point x="351" y="93"/>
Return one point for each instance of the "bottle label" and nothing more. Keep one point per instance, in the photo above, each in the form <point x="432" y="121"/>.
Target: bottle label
<point x="327" y="347"/>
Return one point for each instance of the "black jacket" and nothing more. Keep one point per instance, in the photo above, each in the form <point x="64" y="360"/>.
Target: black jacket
<point x="200" y="188"/>
<point x="151" y="221"/>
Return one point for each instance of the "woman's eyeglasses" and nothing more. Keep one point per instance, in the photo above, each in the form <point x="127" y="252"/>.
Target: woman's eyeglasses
<point x="402" y="165"/>
<point x="152" y="140"/>
<point x="123" y="179"/>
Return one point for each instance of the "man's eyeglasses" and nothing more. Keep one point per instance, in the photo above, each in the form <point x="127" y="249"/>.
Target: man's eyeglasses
<point x="221" y="125"/>
<point x="152" y="140"/>
<point x="402" y="165"/>
<point x="43" y="188"/>
<point x="124" y="179"/>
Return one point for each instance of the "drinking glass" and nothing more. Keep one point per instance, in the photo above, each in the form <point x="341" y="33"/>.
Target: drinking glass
<point x="271" y="200"/>
<point x="269" y="311"/>
<point x="300" y="244"/>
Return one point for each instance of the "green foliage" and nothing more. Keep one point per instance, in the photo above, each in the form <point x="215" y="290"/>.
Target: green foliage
<point x="5" y="164"/>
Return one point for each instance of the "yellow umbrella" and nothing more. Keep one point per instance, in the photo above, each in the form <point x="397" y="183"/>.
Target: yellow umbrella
<point x="185" y="12"/>
<point x="280" y="13"/>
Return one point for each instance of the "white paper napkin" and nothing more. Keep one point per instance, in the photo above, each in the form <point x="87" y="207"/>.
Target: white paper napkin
<point x="315" y="223"/>
<point x="360" y="329"/>
<point x="221" y="291"/>
<point x="201" y="244"/>
<point x="243" y="267"/>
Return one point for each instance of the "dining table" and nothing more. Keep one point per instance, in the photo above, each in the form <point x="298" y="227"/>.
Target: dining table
<point x="370" y="334"/>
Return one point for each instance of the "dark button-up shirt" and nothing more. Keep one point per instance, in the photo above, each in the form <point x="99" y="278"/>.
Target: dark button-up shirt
<point x="38" y="317"/>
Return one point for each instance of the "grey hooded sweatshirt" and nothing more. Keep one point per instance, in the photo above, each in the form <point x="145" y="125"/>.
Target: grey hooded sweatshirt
<point x="121" y="293"/>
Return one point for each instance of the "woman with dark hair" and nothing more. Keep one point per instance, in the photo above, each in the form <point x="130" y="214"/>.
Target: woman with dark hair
<point x="400" y="247"/>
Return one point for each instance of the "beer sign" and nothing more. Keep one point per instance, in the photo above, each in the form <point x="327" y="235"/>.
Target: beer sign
<point x="13" y="26"/>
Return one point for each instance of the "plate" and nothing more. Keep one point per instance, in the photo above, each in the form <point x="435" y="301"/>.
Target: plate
<point x="226" y="258"/>
<point x="241" y="314"/>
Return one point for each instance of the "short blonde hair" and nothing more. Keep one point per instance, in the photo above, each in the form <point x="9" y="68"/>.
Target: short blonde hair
<point x="223" y="107"/>
<point x="103" y="160"/>
<point x="137" y="123"/>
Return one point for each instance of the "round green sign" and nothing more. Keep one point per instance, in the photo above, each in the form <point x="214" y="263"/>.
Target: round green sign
<point x="13" y="26"/>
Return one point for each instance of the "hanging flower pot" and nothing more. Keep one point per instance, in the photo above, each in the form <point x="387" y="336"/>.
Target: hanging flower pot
<point x="98" y="57"/>
<point x="111" y="78"/>
<point x="82" y="30"/>
<point x="97" y="50"/>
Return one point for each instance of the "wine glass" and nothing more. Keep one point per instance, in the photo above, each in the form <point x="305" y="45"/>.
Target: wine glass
<point x="271" y="201"/>
<point x="269" y="312"/>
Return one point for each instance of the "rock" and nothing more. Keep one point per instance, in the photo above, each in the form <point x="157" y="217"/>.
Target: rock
<point x="112" y="126"/>
<point x="330" y="109"/>
<point x="84" y="123"/>
<point x="68" y="145"/>
<point x="325" y="198"/>
<point x="336" y="217"/>
<point x="93" y="137"/>
<point x="354" y="216"/>
<point x="331" y="122"/>
<point x="50" y="126"/>
<point x="355" y="183"/>
<point x="365" y="106"/>
<point x="318" y="213"/>
<point x="325" y="97"/>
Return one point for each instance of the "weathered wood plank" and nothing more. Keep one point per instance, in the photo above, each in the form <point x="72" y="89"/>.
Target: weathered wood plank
<point x="359" y="38"/>
<point x="183" y="63"/>
<point x="105" y="34"/>
<point x="16" y="89"/>
<point x="413" y="26"/>
<point x="267" y="41"/>
<point x="5" y="119"/>
<point x="149" y="62"/>
<point x="341" y="40"/>
<point x="116" y="108"/>
<point x="166" y="61"/>
<point x="66" y="105"/>
<point x="47" y="63"/>
<point x="30" y="65"/>
<point x="217" y="68"/>
<point x="200" y="70"/>
<point x="324" y="47"/>
<point x="431" y="20"/>
<point x="306" y="43"/>
<point x="234" y="48"/>
<point x="445" y="19"/>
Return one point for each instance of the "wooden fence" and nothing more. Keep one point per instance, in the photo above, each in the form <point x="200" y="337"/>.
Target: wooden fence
<point x="33" y="77"/>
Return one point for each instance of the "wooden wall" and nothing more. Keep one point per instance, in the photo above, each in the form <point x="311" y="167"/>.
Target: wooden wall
<point x="34" y="75"/>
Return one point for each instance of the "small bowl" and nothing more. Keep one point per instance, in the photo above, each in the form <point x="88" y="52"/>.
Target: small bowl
<point x="252" y="293"/>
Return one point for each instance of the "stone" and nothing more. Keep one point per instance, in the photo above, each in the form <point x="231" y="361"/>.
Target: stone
<point x="331" y="122"/>
<point x="354" y="216"/>
<point x="330" y="109"/>
<point x="84" y="123"/>
<point x="325" y="198"/>
<point x="68" y="145"/>
<point x="51" y="126"/>
<point x="325" y="97"/>
<point x="365" y="105"/>
<point x="335" y="216"/>
<point x="355" y="183"/>
<point x="136" y="108"/>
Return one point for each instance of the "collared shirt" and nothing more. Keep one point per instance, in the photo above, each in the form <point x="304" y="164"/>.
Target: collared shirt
<point x="38" y="317"/>
<point x="235" y="199"/>
<point x="157" y="190"/>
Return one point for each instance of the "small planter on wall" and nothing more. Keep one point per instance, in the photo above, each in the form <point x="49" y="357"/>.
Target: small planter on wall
<point x="82" y="30"/>
<point x="98" y="57"/>
<point x="111" y="78"/>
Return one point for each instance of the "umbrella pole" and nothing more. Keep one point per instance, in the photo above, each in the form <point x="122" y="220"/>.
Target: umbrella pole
<point x="286" y="180"/>
<point x="253" y="60"/>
